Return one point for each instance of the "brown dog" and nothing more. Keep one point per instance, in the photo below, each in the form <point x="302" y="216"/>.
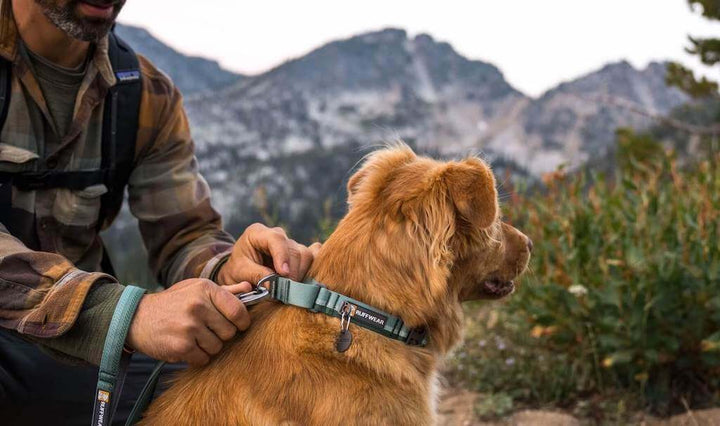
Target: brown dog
<point x="420" y="236"/>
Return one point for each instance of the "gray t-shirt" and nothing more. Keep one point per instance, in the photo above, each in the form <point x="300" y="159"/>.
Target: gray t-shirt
<point x="59" y="85"/>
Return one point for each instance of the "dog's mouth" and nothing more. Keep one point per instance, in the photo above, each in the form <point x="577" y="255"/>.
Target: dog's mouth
<point x="492" y="288"/>
<point x="496" y="288"/>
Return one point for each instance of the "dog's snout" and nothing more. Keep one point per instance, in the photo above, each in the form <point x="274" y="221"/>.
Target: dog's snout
<point x="530" y="245"/>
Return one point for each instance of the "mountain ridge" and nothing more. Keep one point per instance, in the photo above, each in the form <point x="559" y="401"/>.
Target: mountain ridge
<point x="278" y="146"/>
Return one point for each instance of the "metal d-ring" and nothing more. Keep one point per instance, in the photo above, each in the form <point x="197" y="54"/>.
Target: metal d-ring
<point x="267" y="278"/>
<point x="258" y="293"/>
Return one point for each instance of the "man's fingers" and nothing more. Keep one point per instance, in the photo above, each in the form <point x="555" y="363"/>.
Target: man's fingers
<point x="305" y="262"/>
<point x="231" y="307"/>
<point x="315" y="249"/>
<point x="255" y="271"/>
<point x="238" y="288"/>
<point x="197" y="357"/>
<point x="296" y="259"/>
<point x="243" y="270"/>
<point x="275" y="243"/>
<point x="280" y="253"/>
<point x="208" y="341"/>
<point x="221" y="326"/>
<point x="258" y="244"/>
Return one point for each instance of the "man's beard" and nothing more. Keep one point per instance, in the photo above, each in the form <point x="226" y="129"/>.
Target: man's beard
<point x="67" y="18"/>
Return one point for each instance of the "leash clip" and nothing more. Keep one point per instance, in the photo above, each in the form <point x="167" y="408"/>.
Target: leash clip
<point x="259" y="293"/>
<point x="254" y="297"/>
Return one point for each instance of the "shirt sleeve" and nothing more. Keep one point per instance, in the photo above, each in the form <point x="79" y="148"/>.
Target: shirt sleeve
<point x="181" y="230"/>
<point x="85" y="340"/>
<point x="43" y="297"/>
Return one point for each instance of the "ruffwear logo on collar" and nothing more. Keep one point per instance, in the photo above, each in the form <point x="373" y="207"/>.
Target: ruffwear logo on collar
<point x="369" y="317"/>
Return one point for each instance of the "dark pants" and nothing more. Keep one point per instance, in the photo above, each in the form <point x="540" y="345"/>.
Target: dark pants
<point x="36" y="389"/>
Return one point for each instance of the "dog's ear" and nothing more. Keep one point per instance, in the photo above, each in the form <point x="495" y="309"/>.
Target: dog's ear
<point x="354" y="181"/>
<point x="379" y="163"/>
<point x="471" y="187"/>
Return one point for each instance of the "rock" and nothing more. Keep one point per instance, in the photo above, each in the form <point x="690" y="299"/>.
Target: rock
<point x="542" y="418"/>
<point x="457" y="408"/>
<point x="709" y="417"/>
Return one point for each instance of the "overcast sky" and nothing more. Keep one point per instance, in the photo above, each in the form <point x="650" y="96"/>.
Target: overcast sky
<point x="535" y="43"/>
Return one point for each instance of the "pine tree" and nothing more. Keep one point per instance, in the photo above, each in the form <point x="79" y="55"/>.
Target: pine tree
<point x="707" y="49"/>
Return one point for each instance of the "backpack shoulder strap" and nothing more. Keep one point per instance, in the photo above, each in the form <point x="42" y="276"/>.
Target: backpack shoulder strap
<point x="120" y="124"/>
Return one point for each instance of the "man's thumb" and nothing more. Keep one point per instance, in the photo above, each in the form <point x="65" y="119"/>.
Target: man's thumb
<point x="239" y="288"/>
<point x="258" y="272"/>
<point x="226" y="302"/>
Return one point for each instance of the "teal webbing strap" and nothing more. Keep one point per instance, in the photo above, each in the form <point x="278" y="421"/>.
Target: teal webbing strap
<point x="317" y="298"/>
<point x="291" y="292"/>
<point x="113" y="364"/>
<point x="146" y="395"/>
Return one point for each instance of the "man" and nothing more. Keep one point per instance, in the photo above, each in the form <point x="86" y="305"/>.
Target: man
<point x="51" y="290"/>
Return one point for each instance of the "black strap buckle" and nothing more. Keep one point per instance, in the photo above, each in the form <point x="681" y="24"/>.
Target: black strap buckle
<point x="35" y="181"/>
<point x="416" y="336"/>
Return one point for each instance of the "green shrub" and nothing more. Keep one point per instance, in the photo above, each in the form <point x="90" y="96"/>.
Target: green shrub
<point x="493" y="405"/>
<point x="623" y="296"/>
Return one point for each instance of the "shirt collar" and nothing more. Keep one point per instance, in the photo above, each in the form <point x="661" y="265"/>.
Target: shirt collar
<point x="102" y="61"/>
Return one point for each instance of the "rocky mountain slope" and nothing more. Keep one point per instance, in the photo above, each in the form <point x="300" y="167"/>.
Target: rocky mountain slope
<point x="295" y="131"/>
<point x="190" y="73"/>
<point x="576" y="121"/>
<point x="277" y="147"/>
<point x="365" y="89"/>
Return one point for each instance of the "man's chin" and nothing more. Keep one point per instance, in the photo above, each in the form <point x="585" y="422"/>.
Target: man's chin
<point x="92" y="36"/>
<point x="92" y="29"/>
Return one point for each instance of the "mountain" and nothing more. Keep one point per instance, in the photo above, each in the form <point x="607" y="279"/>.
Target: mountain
<point x="365" y="89"/>
<point x="576" y="121"/>
<point x="278" y="147"/>
<point x="191" y="74"/>
<point x="295" y="131"/>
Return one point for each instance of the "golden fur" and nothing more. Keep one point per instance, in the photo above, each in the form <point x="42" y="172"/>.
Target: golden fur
<point x="420" y="236"/>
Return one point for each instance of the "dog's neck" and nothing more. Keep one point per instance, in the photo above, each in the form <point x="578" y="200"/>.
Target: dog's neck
<point x="368" y="267"/>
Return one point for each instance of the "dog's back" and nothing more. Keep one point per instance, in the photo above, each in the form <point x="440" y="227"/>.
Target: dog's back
<point x="285" y="370"/>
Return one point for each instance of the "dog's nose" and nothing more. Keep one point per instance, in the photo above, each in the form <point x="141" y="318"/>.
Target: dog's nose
<point x="530" y="245"/>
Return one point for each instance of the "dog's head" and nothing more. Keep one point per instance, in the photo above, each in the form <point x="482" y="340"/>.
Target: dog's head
<point x="450" y="209"/>
<point x="423" y="236"/>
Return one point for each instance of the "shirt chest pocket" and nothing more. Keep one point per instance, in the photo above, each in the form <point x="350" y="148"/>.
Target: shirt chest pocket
<point x="79" y="208"/>
<point x="16" y="159"/>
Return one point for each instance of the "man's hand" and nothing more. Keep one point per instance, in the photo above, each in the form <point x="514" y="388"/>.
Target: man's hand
<point x="261" y="251"/>
<point x="189" y="321"/>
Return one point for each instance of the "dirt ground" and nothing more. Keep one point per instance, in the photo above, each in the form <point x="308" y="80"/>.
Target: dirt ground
<point x="456" y="409"/>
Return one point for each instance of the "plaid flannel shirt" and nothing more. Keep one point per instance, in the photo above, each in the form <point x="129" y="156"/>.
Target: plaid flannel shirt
<point x="46" y="275"/>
